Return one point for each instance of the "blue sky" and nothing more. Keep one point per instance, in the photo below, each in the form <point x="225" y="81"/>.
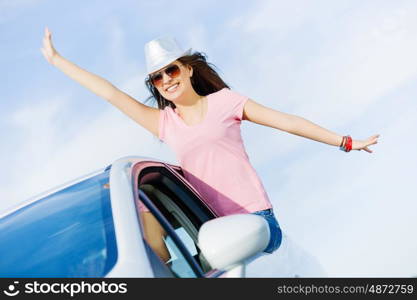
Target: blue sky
<point x="348" y="66"/>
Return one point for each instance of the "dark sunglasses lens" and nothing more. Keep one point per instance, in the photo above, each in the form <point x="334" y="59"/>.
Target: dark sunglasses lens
<point x="156" y="79"/>
<point x="173" y="71"/>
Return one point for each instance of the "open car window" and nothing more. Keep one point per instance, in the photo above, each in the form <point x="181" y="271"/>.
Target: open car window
<point x="184" y="213"/>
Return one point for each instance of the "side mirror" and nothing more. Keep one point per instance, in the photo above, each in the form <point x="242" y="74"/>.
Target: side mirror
<point x="228" y="241"/>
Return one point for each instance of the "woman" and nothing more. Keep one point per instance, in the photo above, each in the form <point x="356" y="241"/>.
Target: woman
<point x="199" y="117"/>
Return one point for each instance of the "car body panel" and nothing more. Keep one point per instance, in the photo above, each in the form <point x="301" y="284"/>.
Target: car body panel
<point x="128" y="234"/>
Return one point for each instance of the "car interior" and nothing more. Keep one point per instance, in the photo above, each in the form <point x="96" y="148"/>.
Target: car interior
<point x="182" y="208"/>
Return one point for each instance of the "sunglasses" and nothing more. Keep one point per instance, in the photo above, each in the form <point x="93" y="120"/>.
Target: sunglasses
<point x="172" y="71"/>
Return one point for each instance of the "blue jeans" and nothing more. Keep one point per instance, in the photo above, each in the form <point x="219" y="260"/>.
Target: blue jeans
<point x="275" y="230"/>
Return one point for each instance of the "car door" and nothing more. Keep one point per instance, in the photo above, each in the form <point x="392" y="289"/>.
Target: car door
<point x="180" y="211"/>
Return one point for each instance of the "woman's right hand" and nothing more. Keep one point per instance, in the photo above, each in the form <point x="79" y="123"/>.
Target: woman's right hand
<point x="48" y="50"/>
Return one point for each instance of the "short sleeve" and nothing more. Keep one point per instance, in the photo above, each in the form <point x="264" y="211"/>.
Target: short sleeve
<point x="237" y="103"/>
<point x="162" y="124"/>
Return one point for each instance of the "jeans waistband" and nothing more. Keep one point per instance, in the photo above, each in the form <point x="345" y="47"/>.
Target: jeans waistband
<point x="265" y="210"/>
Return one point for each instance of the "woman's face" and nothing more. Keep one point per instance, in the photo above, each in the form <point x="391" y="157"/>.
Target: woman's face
<point x="175" y="80"/>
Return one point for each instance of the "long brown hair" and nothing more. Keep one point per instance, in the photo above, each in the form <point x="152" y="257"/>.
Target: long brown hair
<point x="205" y="79"/>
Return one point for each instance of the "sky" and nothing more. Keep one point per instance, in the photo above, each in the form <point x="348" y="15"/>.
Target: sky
<point x="348" y="66"/>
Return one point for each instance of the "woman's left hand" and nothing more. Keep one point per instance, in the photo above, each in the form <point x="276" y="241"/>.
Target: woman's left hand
<point x="363" y="145"/>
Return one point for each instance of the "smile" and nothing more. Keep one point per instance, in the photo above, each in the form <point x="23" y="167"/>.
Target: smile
<point x="172" y="88"/>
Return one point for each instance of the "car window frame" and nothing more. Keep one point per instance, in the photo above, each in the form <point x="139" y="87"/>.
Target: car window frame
<point x="170" y="232"/>
<point x="175" y="171"/>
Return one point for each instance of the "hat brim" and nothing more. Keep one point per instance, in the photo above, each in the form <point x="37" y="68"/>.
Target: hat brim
<point x="166" y="63"/>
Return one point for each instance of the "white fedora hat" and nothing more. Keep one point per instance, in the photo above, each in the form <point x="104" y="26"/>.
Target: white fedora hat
<point x="162" y="51"/>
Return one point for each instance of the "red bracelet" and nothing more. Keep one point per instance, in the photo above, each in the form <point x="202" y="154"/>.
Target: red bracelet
<point x="348" y="145"/>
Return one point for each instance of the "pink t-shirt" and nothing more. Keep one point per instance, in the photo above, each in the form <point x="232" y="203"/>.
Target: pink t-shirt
<point x="212" y="155"/>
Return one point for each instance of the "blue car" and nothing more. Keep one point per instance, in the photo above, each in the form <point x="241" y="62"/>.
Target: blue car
<point x="92" y="227"/>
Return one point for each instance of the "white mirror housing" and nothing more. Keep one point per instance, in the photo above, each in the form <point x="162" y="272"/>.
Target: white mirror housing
<point x="229" y="240"/>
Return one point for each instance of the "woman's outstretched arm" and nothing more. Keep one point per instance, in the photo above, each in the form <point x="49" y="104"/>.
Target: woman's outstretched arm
<point x="145" y="115"/>
<point x="293" y="124"/>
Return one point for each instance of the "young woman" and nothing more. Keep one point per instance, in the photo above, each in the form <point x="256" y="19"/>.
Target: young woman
<point x="199" y="117"/>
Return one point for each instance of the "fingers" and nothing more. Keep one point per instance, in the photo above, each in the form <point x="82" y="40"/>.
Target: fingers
<point x="366" y="149"/>
<point x="47" y="32"/>
<point x="373" y="139"/>
<point x="370" y="141"/>
<point x="47" y="43"/>
<point x="47" y="35"/>
<point x="45" y="55"/>
<point x="48" y="50"/>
